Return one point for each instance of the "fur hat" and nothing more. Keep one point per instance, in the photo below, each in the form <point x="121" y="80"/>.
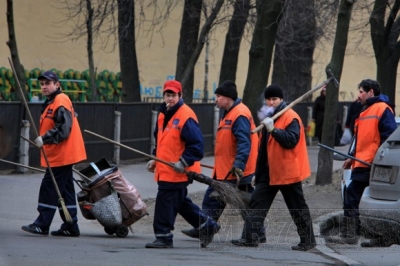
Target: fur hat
<point x="228" y="89"/>
<point x="273" y="91"/>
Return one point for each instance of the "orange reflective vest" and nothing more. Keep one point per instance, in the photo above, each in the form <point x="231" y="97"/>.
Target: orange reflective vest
<point x="367" y="132"/>
<point x="170" y="146"/>
<point x="226" y="144"/>
<point x="69" y="151"/>
<point x="288" y="166"/>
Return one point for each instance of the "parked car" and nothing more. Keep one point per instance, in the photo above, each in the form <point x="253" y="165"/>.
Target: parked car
<point x="380" y="202"/>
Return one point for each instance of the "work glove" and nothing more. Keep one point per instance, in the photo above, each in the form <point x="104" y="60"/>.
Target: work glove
<point x="179" y="167"/>
<point x="191" y="176"/>
<point x="253" y="181"/>
<point x="151" y="165"/>
<point x="268" y="123"/>
<point x="39" y="142"/>
<point x="236" y="172"/>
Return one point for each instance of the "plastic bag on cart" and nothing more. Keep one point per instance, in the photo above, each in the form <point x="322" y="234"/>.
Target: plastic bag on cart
<point x="99" y="175"/>
<point x="107" y="210"/>
<point x="132" y="206"/>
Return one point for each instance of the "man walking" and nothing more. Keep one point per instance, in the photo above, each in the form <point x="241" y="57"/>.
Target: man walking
<point x="235" y="150"/>
<point x="282" y="164"/>
<point x="374" y="125"/>
<point x="62" y="142"/>
<point x="178" y="140"/>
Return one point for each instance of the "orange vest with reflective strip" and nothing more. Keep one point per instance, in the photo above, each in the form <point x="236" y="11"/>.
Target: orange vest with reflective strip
<point x="170" y="145"/>
<point x="367" y="133"/>
<point x="288" y="166"/>
<point x="69" y="151"/>
<point x="226" y="144"/>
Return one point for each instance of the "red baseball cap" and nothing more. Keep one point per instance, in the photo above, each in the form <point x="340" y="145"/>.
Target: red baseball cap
<point x="172" y="85"/>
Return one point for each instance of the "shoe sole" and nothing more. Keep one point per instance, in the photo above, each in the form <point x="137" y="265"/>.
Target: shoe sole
<point x="149" y="246"/>
<point x="61" y="233"/>
<point x="298" y="248"/>
<point x="65" y="235"/>
<point x="245" y="245"/>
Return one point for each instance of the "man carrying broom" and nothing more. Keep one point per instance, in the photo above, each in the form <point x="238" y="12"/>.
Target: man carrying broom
<point x="235" y="150"/>
<point x="178" y="140"/>
<point x="282" y="164"/>
<point x="62" y="142"/>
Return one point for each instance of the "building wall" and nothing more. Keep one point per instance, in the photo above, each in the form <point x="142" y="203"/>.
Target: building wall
<point x="41" y="45"/>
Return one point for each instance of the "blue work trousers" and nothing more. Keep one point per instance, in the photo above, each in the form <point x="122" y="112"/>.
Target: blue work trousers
<point x="49" y="199"/>
<point x="352" y="198"/>
<point x="171" y="200"/>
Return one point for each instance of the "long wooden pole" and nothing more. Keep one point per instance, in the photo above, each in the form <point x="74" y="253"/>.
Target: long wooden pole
<point x="129" y="148"/>
<point x="302" y="97"/>
<point x="137" y="151"/>
<point x="23" y="165"/>
<point x="68" y="217"/>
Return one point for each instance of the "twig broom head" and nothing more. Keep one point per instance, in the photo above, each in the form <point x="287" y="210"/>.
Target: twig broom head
<point x="67" y="216"/>
<point x="227" y="192"/>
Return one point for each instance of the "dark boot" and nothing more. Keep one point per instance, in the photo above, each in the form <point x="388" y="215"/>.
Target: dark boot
<point x="379" y="242"/>
<point x="348" y="231"/>
<point x="160" y="243"/>
<point x="244" y="243"/>
<point x="304" y="225"/>
<point x="193" y="233"/>
<point x="262" y="238"/>
<point x="207" y="232"/>
<point x="307" y="238"/>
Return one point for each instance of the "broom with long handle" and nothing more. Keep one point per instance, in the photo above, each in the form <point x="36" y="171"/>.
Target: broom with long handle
<point x="23" y="165"/>
<point x="228" y="193"/>
<point x="302" y="97"/>
<point x="34" y="144"/>
<point x="67" y="216"/>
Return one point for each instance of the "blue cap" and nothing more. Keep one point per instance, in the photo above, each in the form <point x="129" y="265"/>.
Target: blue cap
<point x="49" y="75"/>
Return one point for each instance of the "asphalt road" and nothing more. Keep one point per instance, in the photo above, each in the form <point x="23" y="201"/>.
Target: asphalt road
<point x="18" y="194"/>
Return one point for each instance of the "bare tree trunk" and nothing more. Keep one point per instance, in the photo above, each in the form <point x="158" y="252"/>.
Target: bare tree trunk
<point x="206" y="60"/>
<point x="386" y="45"/>
<point x="233" y="39"/>
<point x="269" y="14"/>
<point x="187" y="42"/>
<point x="12" y="45"/>
<point x="89" y="47"/>
<point x="197" y="51"/>
<point x="294" y="49"/>
<point x="127" y="51"/>
<point x="325" y="158"/>
<point x="387" y="73"/>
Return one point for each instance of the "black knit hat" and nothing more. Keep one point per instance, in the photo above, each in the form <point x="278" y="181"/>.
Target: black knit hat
<point x="228" y="89"/>
<point x="273" y="91"/>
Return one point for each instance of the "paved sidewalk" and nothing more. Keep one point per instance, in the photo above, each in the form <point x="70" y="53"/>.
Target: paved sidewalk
<point x="19" y="202"/>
